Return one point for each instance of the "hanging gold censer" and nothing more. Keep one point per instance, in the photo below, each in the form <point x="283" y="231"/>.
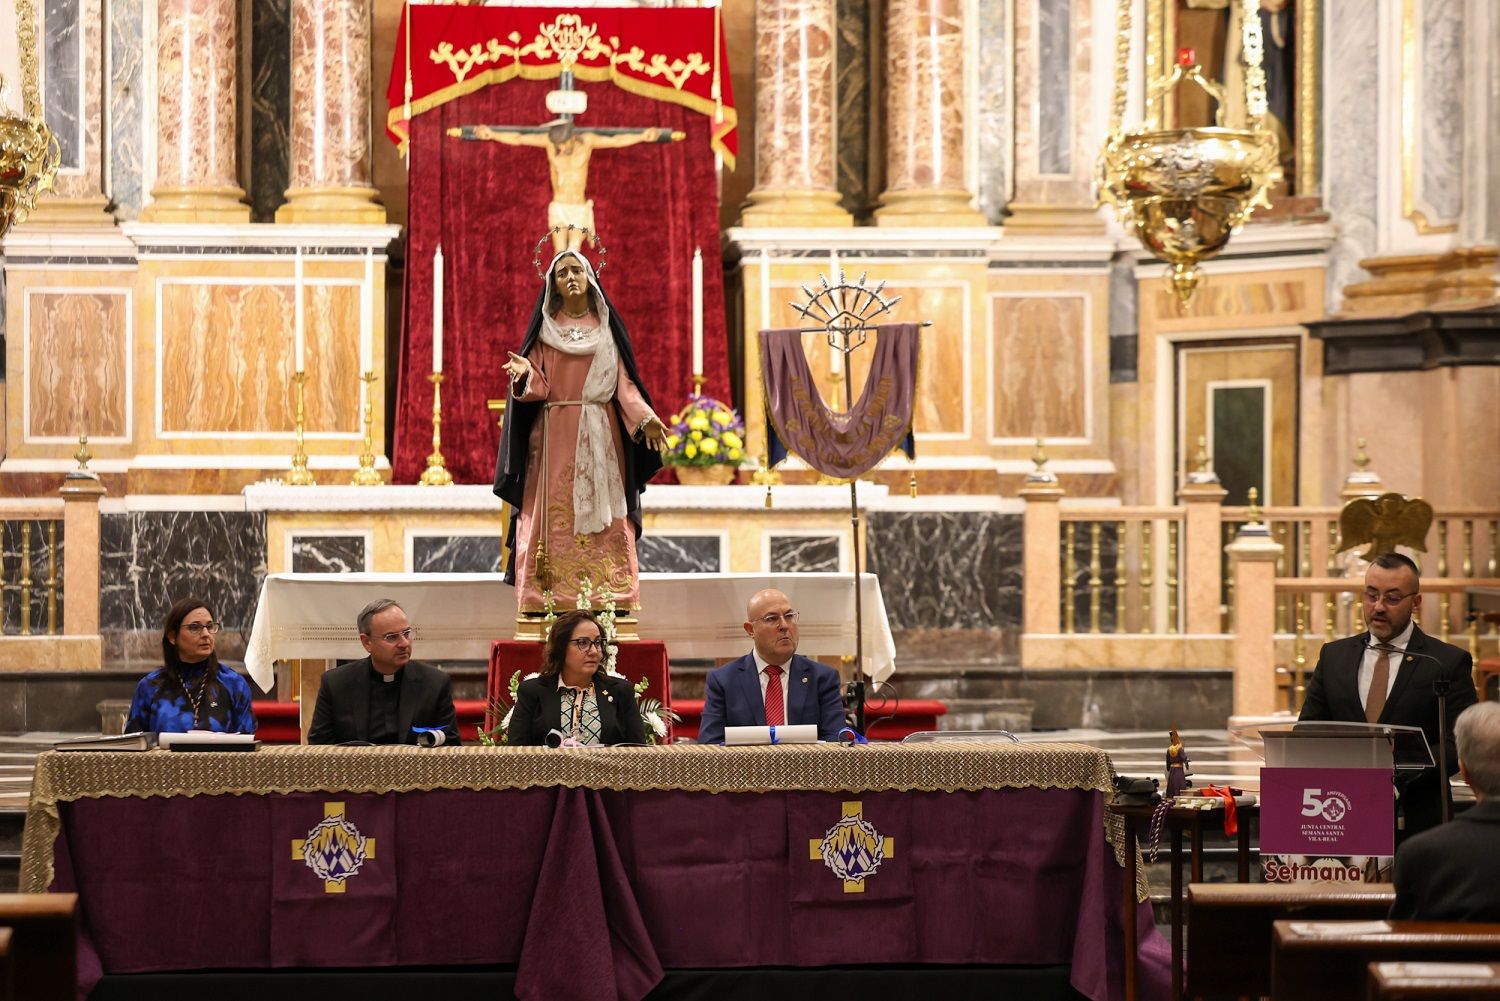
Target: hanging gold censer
<point x="1184" y="192"/>
<point x="29" y="154"/>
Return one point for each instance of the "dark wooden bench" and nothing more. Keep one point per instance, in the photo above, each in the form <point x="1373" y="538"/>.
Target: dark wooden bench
<point x="1329" y="960"/>
<point x="1449" y="981"/>
<point x="1229" y="927"/>
<point x="43" y="947"/>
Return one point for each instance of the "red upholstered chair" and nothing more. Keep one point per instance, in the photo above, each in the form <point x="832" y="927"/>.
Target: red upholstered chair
<point x="280" y="722"/>
<point x="884" y="721"/>
<point x="636" y="660"/>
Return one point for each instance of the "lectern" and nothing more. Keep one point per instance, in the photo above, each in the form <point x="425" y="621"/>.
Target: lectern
<point x="1327" y="790"/>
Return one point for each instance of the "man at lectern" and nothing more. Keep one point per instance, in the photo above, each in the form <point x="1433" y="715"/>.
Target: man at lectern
<point x="386" y="698"/>
<point x="1387" y="675"/>
<point x="1453" y="873"/>
<point x="771" y="685"/>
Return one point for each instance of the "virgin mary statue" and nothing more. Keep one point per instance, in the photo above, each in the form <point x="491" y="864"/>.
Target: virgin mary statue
<point x="580" y="442"/>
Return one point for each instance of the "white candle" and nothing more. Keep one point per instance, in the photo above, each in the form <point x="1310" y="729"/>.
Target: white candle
<point x="697" y="311"/>
<point x="366" y="316"/>
<point x="437" y="309"/>
<point x="765" y="289"/>
<point x="300" y="351"/>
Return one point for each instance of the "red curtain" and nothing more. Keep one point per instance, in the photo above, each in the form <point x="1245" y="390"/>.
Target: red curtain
<point x="486" y="203"/>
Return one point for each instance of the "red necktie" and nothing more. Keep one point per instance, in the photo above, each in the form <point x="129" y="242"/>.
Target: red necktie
<point x="775" y="704"/>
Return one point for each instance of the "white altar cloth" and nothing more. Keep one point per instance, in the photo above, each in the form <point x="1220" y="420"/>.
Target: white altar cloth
<point x="310" y="616"/>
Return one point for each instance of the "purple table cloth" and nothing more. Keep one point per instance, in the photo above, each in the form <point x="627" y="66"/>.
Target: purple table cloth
<point x="655" y="878"/>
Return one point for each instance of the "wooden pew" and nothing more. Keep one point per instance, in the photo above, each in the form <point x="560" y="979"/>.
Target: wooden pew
<point x="43" y="953"/>
<point x="1449" y="981"/>
<point x="1229" y="927"/>
<point x="1328" y="960"/>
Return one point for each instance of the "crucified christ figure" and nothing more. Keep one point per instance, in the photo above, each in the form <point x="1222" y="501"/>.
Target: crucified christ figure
<point x="568" y="150"/>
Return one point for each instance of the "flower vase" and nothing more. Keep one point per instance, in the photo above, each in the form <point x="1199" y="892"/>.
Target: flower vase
<point x="718" y="474"/>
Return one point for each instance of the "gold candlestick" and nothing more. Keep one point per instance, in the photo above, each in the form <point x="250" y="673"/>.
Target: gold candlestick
<point x="697" y="383"/>
<point x="436" y="475"/>
<point x="300" y="476"/>
<point x="366" y="475"/>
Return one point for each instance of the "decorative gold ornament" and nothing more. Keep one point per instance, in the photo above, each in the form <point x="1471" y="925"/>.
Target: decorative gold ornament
<point x="29" y="153"/>
<point x="1185" y="192"/>
<point x="436" y="474"/>
<point x="1384" y="522"/>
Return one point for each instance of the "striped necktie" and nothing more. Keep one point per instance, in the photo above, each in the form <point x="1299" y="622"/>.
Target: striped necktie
<point x="775" y="703"/>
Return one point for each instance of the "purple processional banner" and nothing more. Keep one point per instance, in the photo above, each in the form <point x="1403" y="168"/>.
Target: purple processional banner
<point x="843" y="445"/>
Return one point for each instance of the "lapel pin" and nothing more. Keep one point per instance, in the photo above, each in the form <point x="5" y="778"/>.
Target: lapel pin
<point x="804" y="679"/>
<point x="1408" y="658"/>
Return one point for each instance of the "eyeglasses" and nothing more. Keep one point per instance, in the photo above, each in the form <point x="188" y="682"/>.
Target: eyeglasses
<point x="199" y="628"/>
<point x="790" y="618"/>
<point x="404" y="634"/>
<point x="583" y="644"/>
<point x="1390" y="599"/>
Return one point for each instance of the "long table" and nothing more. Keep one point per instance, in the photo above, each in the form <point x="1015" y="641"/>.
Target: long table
<point x="661" y="858"/>
<point x="311" y="615"/>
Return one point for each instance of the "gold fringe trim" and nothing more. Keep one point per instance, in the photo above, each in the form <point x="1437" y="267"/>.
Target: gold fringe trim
<point x="396" y="120"/>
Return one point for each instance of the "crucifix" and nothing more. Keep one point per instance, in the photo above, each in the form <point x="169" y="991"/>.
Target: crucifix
<point x="570" y="214"/>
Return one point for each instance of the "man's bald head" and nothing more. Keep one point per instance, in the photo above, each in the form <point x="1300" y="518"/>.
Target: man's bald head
<point x="772" y="623"/>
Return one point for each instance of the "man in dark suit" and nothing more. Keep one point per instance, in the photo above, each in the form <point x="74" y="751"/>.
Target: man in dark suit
<point x="741" y="693"/>
<point x="1387" y="676"/>
<point x="387" y="697"/>
<point x="1452" y="873"/>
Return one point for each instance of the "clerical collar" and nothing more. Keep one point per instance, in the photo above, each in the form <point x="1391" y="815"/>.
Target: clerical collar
<point x="387" y="678"/>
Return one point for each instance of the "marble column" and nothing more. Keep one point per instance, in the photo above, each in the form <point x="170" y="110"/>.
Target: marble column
<point x="330" y="154"/>
<point x="196" y="56"/>
<point x="1252" y="561"/>
<point x="70" y="37"/>
<point x="1055" y="140"/>
<point x="925" y="184"/>
<point x="794" y="135"/>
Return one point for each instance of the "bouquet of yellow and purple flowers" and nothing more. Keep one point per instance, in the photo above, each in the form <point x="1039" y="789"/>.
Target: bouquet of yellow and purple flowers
<point x="706" y="432"/>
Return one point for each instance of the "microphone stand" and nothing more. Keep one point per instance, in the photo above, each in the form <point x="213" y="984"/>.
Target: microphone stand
<point x="1440" y="689"/>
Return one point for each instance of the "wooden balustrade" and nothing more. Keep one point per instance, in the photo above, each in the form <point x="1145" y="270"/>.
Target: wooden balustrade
<point x="49" y="578"/>
<point x="1162" y="586"/>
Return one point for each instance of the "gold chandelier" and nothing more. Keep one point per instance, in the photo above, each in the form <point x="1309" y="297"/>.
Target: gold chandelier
<point x="29" y="154"/>
<point x="1184" y="192"/>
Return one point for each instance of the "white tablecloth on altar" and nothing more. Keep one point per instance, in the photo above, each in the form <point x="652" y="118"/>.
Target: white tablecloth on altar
<point x="310" y="616"/>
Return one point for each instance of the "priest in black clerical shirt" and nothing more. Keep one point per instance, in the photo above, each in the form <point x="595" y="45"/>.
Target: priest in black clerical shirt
<point x="387" y="698"/>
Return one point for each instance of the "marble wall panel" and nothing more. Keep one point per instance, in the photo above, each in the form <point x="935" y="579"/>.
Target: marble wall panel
<point x="1441" y="121"/>
<point x="956" y="570"/>
<point x="30" y="538"/>
<point x="679" y="554"/>
<point x="328" y="554"/>
<point x="1124" y="325"/>
<point x="804" y="554"/>
<point x="1350" y="190"/>
<point x="854" y="94"/>
<point x="228" y="357"/>
<point x="270" y="106"/>
<point x="1054" y="39"/>
<point x="1041" y="379"/>
<point x="942" y="390"/>
<point x="126" y="109"/>
<point x="76" y="366"/>
<point x="149" y="559"/>
<point x="62" y="94"/>
<point x="995" y="117"/>
<point x="458" y="554"/>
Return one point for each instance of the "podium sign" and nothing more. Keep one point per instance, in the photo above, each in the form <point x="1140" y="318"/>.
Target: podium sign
<point x="1327" y="812"/>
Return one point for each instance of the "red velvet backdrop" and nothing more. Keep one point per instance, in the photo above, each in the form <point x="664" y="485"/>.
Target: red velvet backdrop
<point x="486" y="203"/>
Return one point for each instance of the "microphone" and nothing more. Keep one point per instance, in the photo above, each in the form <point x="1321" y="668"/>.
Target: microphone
<point x="554" y="738"/>
<point x="1439" y="689"/>
<point x="431" y="738"/>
